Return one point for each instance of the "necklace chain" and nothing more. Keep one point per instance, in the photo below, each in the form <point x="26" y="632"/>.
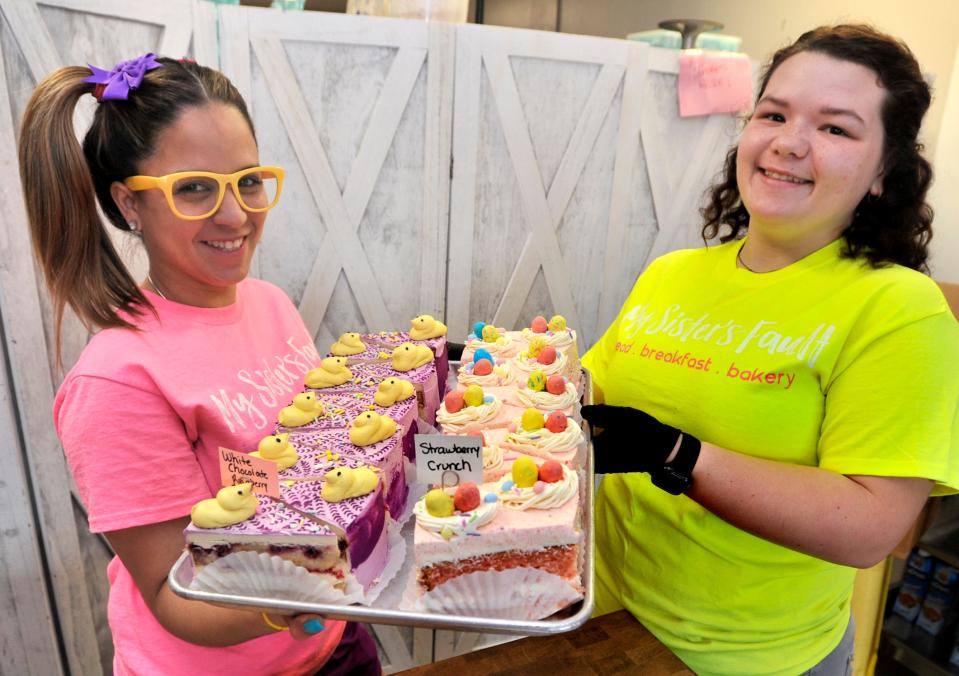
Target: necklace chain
<point x="160" y="293"/>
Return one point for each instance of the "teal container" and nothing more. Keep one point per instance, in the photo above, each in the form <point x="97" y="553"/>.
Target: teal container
<point x="660" y="37"/>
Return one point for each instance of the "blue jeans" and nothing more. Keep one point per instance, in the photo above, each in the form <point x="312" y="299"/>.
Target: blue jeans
<point x="839" y="661"/>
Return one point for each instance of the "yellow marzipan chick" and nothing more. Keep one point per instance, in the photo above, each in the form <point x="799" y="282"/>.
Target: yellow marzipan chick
<point x="424" y="326"/>
<point x="370" y="427"/>
<point x="277" y="447"/>
<point x="393" y="390"/>
<point x="332" y="371"/>
<point x="231" y="505"/>
<point x="408" y="356"/>
<point x="348" y="344"/>
<point x="341" y="483"/>
<point x="304" y="410"/>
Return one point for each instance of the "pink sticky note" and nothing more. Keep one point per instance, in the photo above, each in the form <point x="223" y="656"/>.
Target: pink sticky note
<point x="713" y="82"/>
<point x="241" y="468"/>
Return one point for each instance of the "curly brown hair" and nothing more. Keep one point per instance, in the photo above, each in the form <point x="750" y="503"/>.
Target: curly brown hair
<point x="895" y="227"/>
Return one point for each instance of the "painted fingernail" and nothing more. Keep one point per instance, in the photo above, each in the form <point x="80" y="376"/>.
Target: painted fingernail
<point x="312" y="626"/>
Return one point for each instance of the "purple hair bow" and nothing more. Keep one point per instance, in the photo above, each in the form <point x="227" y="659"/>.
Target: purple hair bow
<point x="116" y="84"/>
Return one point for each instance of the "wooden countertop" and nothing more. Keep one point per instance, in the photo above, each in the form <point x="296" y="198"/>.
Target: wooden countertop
<point x="610" y="644"/>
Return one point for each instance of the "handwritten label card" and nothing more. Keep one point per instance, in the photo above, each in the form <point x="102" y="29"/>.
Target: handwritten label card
<point x="438" y="454"/>
<point x="241" y="468"/>
<point x="713" y="82"/>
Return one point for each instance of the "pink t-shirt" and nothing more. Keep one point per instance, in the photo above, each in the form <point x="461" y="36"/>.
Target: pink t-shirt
<point x="141" y="416"/>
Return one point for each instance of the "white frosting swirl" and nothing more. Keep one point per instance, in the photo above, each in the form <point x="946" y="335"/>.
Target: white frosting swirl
<point x="553" y="495"/>
<point x="492" y="457"/>
<point x="501" y="347"/>
<point x="458" y="524"/>
<point x="546" y="400"/>
<point x="558" y="339"/>
<point x="501" y="376"/>
<point x="526" y="365"/>
<point x="543" y="443"/>
<point x="467" y="416"/>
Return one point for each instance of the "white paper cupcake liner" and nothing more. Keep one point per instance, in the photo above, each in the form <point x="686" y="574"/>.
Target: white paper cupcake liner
<point x="514" y="594"/>
<point x="262" y="575"/>
<point x="394" y="562"/>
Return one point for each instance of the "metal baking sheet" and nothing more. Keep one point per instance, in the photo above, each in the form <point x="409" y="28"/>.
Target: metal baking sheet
<point x="384" y="610"/>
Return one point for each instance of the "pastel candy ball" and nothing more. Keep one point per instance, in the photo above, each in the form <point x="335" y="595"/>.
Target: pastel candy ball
<point x="490" y="498"/>
<point x="467" y="497"/>
<point x="550" y="471"/>
<point x="547" y="355"/>
<point x="490" y="334"/>
<point x="556" y="422"/>
<point x="473" y="396"/>
<point x="482" y="367"/>
<point x="478" y="329"/>
<point x="525" y="473"/>
<point x="482" y="354"/>
<point x="438" y="503"/>
<point x="539" y="487"/>
<point x="555" y="384"/>
<point x="536" y="345"/>
<point x="532" y="420"/>
<point x="454" y="401"/>
<point x="536" y="381"/>
<point x="538" y="324"/>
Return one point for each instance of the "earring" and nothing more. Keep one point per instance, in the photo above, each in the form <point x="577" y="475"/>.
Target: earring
<point x="134" y="228"/>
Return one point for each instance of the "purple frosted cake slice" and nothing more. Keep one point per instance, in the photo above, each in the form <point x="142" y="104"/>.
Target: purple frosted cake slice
<point x="278" y="530"/>
<point x="393" y="339"/>
<point x="363" y="519"/>
<point x="424" y="379"/>
<point x="321" y="450"/>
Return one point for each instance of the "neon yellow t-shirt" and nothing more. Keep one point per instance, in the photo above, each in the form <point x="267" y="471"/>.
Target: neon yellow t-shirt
<point x="827" y="362"/>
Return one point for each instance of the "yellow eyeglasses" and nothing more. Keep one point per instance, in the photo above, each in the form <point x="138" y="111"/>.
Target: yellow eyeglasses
<point x="194" y="195"/>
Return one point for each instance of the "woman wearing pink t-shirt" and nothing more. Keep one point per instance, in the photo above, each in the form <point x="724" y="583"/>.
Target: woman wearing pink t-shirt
<point x="195" y="357"/>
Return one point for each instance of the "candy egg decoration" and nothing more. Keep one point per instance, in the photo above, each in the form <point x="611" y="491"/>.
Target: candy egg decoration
<point x="525" y="473"/>
<point x="481" y="355"/>
<point x="490" y="334"/>
<point x="453" y="401"/>
<point x="483" y="367"/>
<point x="536" y="381"/>
<point x="557" y="323"/>
<point x="532" y="420"/>
<point x="438" y="503"/>
<point x="478" y="329"/>
<point x="536" y="345"/>
<point x="547" y="355"/>
<point x="467" y="497"/>
<point x="556" y="422"/>
<point x="473" y="396"/>
<point x="555" y="384"/>
<point x="539" y="325"/>
<point x="550" y="471"/>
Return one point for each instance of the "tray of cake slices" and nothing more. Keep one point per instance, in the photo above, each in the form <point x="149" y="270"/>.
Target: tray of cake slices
<point x="352" y="535"/>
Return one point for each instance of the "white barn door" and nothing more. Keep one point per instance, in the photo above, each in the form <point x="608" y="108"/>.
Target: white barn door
<point x="570" y="170"/>
<point x="358" y="110"/>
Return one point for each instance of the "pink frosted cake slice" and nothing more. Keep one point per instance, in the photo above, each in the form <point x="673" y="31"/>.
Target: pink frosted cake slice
<point x="274" y="529"/>
<point x="502" y="535"/>
<point x="362" y="519"/>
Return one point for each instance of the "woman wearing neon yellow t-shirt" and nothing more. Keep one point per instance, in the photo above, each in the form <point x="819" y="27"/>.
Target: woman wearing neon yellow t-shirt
<point x="779" y="406"/>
